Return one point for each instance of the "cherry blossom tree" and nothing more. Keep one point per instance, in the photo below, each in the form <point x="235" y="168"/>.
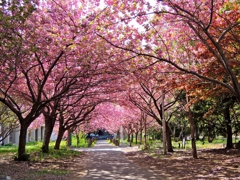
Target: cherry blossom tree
<point x="209" y="26"/>
<point x="150" y="100"/>
<point x="54" y="49"/>
<point x="49" y="40"/>
<point x="71" y="118"/>
<point x="109" y="116"/>
<point x="191" y="37"/>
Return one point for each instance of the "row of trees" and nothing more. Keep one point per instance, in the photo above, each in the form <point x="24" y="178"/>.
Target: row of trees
<point x="53" y="65"/>
<point x="189" y="46"/>
<point x="62" y="59"/>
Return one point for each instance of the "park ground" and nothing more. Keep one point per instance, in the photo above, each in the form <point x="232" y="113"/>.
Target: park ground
<point x="216" y="163"/>
<point x="211" y="164"/>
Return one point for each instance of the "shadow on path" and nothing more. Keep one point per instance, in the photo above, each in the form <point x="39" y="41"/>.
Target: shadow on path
<point x="105" y="161"/>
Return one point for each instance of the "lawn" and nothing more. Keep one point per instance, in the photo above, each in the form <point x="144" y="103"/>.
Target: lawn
<point x="57" y="164"/>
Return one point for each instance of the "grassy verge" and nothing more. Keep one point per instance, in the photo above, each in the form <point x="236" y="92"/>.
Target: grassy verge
<point x="36" y="146"/>
<point x="217" y="143"/>
<point x="83" y="143"/>
<point x="56" y="163"/>
<point x="9" y="148"/>
<point x="34" y="150"/>
<point x="154" y="144"/>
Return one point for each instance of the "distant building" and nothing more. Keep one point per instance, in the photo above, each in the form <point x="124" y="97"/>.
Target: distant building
<point x="32" y="135"/>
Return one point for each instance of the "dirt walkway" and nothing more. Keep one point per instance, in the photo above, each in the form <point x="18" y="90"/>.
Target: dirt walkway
<point x="105" y="161"/>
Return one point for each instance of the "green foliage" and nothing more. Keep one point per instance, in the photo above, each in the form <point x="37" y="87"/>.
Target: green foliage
<point x="82" y="141"/>
<point x="126" y="143"/>
<point x="205" y="124"/>
<point x="155" y="133"/>
<point x="228" y="6"/>
<point x="8" y="120"/>
<point x="208" y="115"/>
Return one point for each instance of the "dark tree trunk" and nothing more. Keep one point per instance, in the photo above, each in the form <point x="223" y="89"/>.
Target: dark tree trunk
<point x="129" y="137"/>
<point x="140" y="136"/>
<point x="59" y="138"/>
<point x="168" y="138"/>
<point x="141" y="131"/>
<point x="145" y="134"/>
<point x="78" y="139"/>
<point x="227" y="119"/>
<point x="69" y="138"/>
<point x="130" y="140"/>
<point x="192" y="128"/>
<point x="49" y="125"/>
<point x="24" y="124"/>
<point x="22" y="156"/>
<point x="164" y="124"/>
<point x="136" y="138"/>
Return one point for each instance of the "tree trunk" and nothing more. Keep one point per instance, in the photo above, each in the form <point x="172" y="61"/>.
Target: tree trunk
<point x="69" y="138"/>
<point x="180" y="134"/>
<point x="140" y="136"/>
<point x="227" y="119"/>
<point x="78" y="139"/>
<point x="136" y="138"/>
<point x="145" y="134"/>
<point x="130" y="140"/>
<point x="193" y="141"/>
<point x="129" y="137"/>
<point x="22" y="156"/>
<point x="141" y="131"/>
<point x="49" y="125"/>
<point x="192" y="128"/>
<point x="59" y="138"/>
<point x="164" y="126"/>
<point x="168" y="138"/>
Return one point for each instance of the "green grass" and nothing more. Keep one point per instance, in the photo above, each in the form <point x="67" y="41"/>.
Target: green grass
<point x="36" y="155"/>
<point x="8" y="148"/>
<point x="83" y="142"/>
<point x="53" y="154"/>
<point x="217" y="143"/>
<point x="34" y="149"/>
<point x="125" y="141"/>
<point x="36" y="146"/>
